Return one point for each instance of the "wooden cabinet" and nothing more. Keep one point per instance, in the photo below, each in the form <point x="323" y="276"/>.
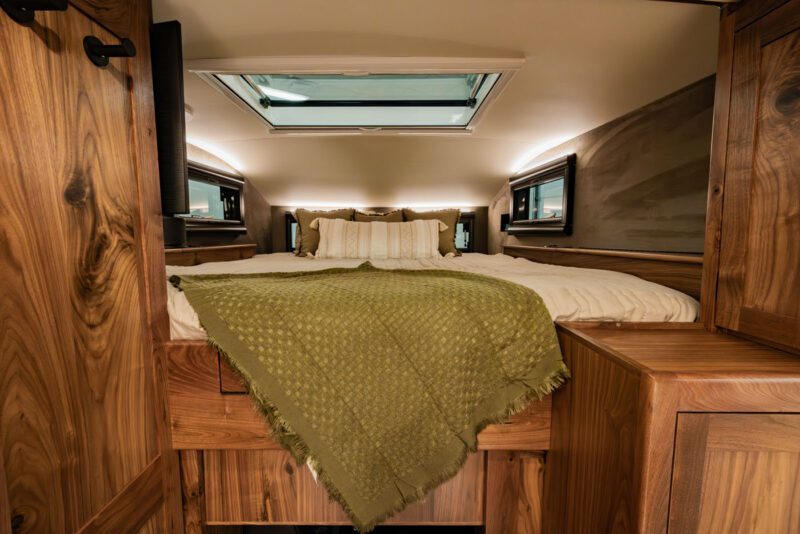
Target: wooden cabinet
<point x="736" y="473"/>
<point x="753" y="236"/>
<point x="672" y="428"/>
<point x="82" y="426"/>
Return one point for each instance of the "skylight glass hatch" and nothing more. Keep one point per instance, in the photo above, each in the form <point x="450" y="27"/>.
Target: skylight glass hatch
<point x="363" y="101"/>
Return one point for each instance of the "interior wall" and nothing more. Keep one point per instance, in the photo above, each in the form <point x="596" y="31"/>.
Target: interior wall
<point x="641" y="180"/>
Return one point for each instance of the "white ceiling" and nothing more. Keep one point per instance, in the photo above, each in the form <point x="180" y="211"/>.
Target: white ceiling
<point x="587" y="62"/>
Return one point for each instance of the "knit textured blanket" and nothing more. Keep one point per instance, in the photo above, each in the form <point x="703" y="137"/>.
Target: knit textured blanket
<point x="381" y="379"/>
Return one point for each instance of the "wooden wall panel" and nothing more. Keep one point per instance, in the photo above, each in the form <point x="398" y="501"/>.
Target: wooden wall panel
<point x="83" y="257"/>
<point x="514" y="483"/>
<point x="268" y="487"/>
<point x="678" y="271"/>
<point x="589" y="480"/>
<point x="75" y="339"/>
<point x="758" y="290"/>
<point x="736" y="473"/>
<point x="641" y="180"/>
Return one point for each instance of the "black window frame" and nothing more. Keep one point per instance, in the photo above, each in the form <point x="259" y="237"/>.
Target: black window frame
<point x="468" y="220"/>
<point x="201" y="173"/>
<point x="553" y="170"/>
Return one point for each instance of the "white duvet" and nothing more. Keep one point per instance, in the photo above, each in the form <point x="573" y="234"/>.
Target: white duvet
<point x="570" y="294"/>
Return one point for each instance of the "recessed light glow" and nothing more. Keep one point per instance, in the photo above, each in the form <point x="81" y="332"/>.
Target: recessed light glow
<point x="218" y="152"/>
<point x="280" y="94"/>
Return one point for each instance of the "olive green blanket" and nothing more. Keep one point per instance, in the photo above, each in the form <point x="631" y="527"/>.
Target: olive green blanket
<point x="380" y="378"/>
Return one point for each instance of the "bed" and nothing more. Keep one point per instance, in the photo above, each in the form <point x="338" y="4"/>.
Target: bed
<point x="240" y="475"/>
<point x="570" y="293"/>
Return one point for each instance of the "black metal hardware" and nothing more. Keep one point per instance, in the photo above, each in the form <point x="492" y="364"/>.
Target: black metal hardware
<point x="99" y="53"/>
<point x="268" y="103"/>
<point x="23" y="11"/>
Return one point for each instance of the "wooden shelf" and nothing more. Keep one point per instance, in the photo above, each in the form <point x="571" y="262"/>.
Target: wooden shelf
<point x="196" y="255"/>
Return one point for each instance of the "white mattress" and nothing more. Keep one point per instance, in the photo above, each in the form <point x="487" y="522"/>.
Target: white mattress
<point x="570" y="294"/>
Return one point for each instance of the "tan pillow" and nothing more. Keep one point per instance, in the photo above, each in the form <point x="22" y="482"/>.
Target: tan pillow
<point x="388" y="217"/>
<point x="307" y="237"/>
<point x="447" y="238"/>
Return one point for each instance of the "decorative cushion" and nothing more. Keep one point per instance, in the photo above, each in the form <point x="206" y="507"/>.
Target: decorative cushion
<point x="447" y="238"/>
<point x="378" y="240"/>
<point x="388" y="217"/>
<point x="307" y="237"/>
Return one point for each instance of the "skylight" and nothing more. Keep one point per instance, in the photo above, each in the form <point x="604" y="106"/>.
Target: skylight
<point x="347" y="101"/>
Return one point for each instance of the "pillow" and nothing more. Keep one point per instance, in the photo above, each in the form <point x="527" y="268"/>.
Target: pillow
<point x="389" y="216"/>
<point x="307" y="237"/>
<point x="447" y="239"/>
<point x="378" y="240"/>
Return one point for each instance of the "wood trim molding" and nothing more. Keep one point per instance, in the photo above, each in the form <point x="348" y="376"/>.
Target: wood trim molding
<point x="682" y="272"/>
<point x="132" y="507"/>
<point x="719" y="151"/>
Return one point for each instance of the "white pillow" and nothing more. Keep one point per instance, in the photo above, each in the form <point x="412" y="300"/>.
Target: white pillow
<point x="339" y="238"/>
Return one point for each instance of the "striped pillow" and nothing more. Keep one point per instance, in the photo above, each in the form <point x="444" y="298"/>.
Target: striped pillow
<point x="378" y="240"/>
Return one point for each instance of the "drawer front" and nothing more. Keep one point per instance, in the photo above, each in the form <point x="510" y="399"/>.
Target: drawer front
<point x="268" y="487"/>
<point x="732" y="470"/>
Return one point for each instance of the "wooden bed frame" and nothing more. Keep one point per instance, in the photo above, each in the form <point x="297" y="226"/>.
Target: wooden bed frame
<point x="234" y="474"/>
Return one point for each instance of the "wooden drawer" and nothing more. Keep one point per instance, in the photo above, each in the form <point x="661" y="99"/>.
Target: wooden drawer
<point x="730" y="468"/>
<point x="268" y="487"/>
<point x="209" y="409"/>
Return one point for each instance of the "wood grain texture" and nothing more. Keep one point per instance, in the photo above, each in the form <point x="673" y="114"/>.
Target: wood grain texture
<point x="590" y="482"/>
<point x="5" y="507"/>
<point x="678" y="271"/>
<point x="529" y="430"/>
<point x="210" y="410"/>
<point x="132" y="19"/>
<point x="666" y="371"/>
<point x="192" y="490"/>
<point x="514" y="483"/>
<point x="716" y="180"/>
<point x="641" y="180"/>
<point x="202" y="417"/>
<point x="78" y="384"/>
<point x="730" y="468"/>
<point x="268" y="487"/>
<point x="198" y="255"/>
<point x="131" y="508"/>
<point x="758" y="290"/>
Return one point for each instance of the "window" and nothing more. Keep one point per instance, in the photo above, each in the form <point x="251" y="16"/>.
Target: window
<point x="291" y="231"/>
<point x="366" y="101"/>
<point x="464" y="232"/>
<point x="541" y="200"/>
<point x="215" y="200"/>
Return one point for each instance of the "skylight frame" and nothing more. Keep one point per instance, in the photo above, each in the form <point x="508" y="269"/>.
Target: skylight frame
<point x="505" y="68"/>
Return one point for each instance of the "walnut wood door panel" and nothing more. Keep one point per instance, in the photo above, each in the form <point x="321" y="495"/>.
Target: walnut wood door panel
<point x="77" y="405"/>
<point x="758" y="290"/>
<point x="736" y="473"/>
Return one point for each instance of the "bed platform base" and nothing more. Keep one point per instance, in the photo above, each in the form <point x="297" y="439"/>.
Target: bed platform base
<point x="233" y="473"/>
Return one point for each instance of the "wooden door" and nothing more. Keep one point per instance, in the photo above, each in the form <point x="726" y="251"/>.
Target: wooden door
<point x="736" y="473"/>
<point x="758" y="290"/>
<point x="79" y="406"/>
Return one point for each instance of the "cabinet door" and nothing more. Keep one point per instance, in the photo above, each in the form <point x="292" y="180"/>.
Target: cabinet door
<point x="78" y="412"/>
<point x="736" y="473"/>
<point x="758" y="290"/>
